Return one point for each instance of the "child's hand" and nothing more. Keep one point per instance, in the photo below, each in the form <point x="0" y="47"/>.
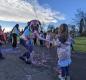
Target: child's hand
<point x="1" y="42"/>
<point x="51" y="42"/>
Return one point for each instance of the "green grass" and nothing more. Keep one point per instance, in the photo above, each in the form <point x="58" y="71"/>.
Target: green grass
<point x="80" y="44"/>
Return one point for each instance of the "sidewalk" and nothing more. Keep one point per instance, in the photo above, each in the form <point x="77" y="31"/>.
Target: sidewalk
<point x="12" y="68"/>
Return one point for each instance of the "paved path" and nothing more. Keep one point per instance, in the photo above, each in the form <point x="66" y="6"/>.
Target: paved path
<point x="12" y="68"/>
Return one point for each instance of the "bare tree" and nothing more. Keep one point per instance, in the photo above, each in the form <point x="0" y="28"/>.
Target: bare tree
<point x="80" y="19"/>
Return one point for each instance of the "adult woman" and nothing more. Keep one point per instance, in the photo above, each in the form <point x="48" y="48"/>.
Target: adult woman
<point x="15" y="34"/>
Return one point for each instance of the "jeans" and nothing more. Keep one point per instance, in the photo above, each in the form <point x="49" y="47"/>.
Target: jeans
<point x="28" y="47"/>
<point x="65" y="71"/>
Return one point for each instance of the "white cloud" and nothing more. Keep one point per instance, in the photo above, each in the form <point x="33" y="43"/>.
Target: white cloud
<point x="23" y="11"/>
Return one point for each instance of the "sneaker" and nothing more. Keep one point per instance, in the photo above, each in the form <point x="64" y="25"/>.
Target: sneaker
<point x="22" y="58"/>
<point x="61" y="78"/>
<point x="68" y="78"/>
<point x="2" y="57"/>
<point x="28" y="62"/>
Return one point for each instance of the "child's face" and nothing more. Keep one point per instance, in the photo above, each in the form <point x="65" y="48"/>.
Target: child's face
<point x="61" y="29"/>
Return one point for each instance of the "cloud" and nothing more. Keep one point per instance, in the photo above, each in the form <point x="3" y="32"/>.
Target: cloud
<point x="25" y="10"/>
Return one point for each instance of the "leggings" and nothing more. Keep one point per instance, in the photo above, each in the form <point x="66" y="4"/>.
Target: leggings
<point x="28" y="47"/>
<point x="65" y="71"/>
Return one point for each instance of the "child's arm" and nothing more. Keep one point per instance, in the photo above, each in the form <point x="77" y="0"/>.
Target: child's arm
<point x="41" y="38"/>
<point x="58" y="43"/>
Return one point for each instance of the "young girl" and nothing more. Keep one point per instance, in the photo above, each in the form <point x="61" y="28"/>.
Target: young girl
<point x="64" y="52"/>
<point x="27" y="41"/>
<point x="48" y="37"/>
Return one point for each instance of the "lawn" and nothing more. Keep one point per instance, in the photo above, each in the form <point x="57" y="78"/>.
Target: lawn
<point x="80" y="44"/>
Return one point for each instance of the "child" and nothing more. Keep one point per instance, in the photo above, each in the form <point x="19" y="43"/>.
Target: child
<point x="27" y="41"/>
<point x="42" y="35"/>
<point x="64" y="52"/>
<point x="48" y="37"/>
